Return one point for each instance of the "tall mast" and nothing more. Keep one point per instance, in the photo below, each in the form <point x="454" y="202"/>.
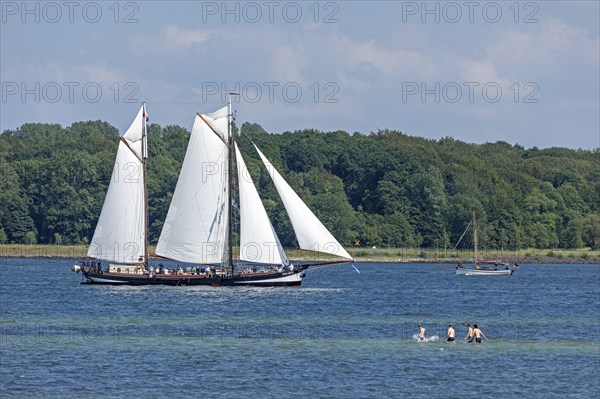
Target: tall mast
<point x="144" y="158"/>
<point x="475" y="235"/>
<point x="230" y="142"/>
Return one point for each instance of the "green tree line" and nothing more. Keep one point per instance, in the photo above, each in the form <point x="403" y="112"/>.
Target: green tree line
<point x="384" y="189"/>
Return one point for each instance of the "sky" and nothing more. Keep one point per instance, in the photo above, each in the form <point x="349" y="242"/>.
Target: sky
<point x="523" y="72"/>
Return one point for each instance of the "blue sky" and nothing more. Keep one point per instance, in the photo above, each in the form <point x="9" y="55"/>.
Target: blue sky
<point x="521" y="72"/>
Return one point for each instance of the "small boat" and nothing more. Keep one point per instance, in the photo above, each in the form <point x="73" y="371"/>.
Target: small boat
<point x="198" y="227"/>
<point x="494" y="270"/>
<point x="483" y="267"/>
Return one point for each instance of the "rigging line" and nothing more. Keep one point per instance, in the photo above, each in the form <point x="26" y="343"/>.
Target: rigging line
<point x="326" y="264"/>
<point x="187" y="120"/>
<point x="322" y="266"/>
<point x="463" y="234"/>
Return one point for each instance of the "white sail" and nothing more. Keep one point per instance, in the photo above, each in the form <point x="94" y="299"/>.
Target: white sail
<point x="310" y="232"/>
<point x="195" y="229"/>
<point x="218" y="122"/>
<point x="135" y="133"/>
<point x="120" y="232"/>
<point x="258" y="240"/>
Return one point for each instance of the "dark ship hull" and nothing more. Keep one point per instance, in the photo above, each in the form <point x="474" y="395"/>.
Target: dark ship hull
<point x="267" y="279"/>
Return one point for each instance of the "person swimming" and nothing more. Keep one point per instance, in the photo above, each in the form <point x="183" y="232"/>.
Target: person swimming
<point x="421" y="336"/>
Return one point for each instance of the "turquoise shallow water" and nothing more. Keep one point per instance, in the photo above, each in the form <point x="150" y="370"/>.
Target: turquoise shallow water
<point x="342" y="335"/>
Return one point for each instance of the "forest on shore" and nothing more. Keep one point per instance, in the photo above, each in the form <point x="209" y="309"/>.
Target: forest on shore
<point x="384" y="189"/>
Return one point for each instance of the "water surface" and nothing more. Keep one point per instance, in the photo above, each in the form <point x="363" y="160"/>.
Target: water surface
<point x="343" y="334"/>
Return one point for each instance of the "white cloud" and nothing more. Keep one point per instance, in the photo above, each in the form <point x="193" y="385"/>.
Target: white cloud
<point x="288" y="62"/>
<point x="481" y="71"/>
<point x="549" y="45"/>
<point x="357" y="65"/>
<point x="552" y="41"/>
<point x="392" y="62"/>
<point x="176" y="36"/>
<point x="102" y="74"/>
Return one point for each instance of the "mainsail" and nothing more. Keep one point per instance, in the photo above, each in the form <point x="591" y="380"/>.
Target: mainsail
<point x="310" y="232"/>
<point x="120" y="232"/>
<point x="258" y="240"/>
<point x="195" y="229"/>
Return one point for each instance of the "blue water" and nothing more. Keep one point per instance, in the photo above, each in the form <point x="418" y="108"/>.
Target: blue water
<point x="342" y="335"/>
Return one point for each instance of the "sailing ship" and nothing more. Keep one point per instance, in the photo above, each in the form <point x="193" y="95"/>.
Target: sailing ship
<point x="483" y="267"/>
<point x="198" y="229"/>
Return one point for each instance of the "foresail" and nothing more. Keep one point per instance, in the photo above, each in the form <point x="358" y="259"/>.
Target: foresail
<point x="258" y="240"/>
<point x="310" y="232"/>
<point x="120" y="234"/>
<point x="195" y="229"/>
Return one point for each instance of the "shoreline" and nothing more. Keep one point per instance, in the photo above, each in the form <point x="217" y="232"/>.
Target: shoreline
<point x="382" y="255"/>
<point x="530" y="260"/>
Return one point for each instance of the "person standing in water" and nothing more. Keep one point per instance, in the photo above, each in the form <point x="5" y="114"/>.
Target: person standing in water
<point x="469" y="336"/>
<point x="450" y="333"/>
<point x="478" y="334"/>
<point x="421" y="335"/>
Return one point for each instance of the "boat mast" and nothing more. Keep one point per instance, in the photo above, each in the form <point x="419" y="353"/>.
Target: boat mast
<point x="230" y="144"/>
<point x="475" y="235"/>
<point x="144" y="159"/>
